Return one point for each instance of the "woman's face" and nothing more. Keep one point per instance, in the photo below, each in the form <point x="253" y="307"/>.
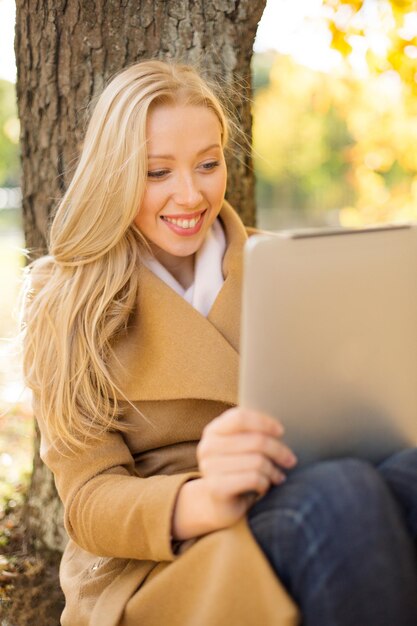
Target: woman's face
<point x="186" y="180"/>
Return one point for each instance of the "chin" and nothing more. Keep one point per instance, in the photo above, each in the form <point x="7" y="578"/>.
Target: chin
<point x="184" y="253"/>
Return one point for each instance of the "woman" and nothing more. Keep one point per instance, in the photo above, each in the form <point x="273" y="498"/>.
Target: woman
<point x="131" y="351"/>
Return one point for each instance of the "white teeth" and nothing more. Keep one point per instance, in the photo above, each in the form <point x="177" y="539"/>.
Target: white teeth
<point x="181" y="222"/>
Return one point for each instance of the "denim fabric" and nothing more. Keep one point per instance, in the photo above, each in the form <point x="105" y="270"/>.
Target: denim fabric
<point x="340" y="535"/>
<point x="400" y="474"/>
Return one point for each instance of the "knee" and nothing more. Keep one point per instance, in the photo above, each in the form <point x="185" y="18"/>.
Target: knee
<point x="346" y="487"/>
<point x="343" y="499"/>
<point x="404" y="461"/>
<point x="343" y="493"/>
<point x="338" y="477"/>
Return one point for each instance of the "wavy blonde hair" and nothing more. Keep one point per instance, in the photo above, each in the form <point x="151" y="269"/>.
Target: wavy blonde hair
<point x="80" y="296"/>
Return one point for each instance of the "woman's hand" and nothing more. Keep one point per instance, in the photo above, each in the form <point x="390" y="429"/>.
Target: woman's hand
<point x="240" y="456"/>
<point x="240" y="453"/>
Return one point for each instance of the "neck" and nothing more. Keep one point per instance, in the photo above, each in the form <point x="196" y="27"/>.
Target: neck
<point x="181" y="268"/>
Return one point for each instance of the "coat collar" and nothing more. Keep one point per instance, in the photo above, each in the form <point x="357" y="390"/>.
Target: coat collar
<point x="170" y="351"/>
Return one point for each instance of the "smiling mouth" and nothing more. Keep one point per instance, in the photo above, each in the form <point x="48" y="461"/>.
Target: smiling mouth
<point x="187" y="223"/>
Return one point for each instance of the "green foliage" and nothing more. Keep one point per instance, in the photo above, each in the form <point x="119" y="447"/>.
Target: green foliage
<point x="299" y="140"/>
<point x="336" y="141"/>
<point x="9" y="136"/>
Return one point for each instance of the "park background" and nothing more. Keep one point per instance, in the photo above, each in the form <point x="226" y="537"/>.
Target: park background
<point x="334" y="144"/>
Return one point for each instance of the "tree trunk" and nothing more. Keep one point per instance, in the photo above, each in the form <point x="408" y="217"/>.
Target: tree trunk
<point x="66" y="51"/>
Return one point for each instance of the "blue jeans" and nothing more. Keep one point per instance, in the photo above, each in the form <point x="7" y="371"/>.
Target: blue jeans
<point x="341" y="536"/>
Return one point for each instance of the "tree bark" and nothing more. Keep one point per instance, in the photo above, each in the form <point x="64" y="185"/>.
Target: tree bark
<point x="66" y="51"/>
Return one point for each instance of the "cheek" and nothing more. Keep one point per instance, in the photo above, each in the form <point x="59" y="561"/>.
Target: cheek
<point x="215" y="186"/>
<point x="148" y="209"/>
<point x="225" y="179"/>
<point x="222" y="182"/>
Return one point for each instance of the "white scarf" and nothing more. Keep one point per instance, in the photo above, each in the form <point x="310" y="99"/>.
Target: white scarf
<point x="208" y="275"/>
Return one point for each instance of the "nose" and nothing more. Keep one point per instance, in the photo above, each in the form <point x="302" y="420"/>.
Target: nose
<point x="186" y="193"/>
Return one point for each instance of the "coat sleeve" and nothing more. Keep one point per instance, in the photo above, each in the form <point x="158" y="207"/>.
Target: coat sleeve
<point x="108" y="509"/>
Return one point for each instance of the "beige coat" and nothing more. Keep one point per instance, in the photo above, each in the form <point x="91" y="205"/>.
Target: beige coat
<point x="180" y="369"/>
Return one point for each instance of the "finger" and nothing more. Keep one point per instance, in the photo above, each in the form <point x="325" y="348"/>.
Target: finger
<point x="245" y="420"/>
<point x="242" y="443"/>
<point x="228" y="464"/>
<point x="239" y="484"/>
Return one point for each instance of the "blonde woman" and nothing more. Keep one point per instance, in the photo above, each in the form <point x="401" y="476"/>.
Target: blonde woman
<point x="131" y="350"/>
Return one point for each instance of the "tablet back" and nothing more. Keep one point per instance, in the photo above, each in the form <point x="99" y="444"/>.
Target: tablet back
<point x="329" y="339"/>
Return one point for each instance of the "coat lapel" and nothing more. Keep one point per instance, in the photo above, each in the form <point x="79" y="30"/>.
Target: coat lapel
<point x="225" y="312"/>
<point x="170" y="351"/>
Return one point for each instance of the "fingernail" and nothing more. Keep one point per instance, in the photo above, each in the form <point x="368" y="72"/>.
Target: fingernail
<point x="291" y="459"/>
<point x="280" y="429"/>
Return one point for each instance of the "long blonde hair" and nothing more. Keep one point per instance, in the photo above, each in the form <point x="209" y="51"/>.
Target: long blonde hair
<point x="82" y="294"/>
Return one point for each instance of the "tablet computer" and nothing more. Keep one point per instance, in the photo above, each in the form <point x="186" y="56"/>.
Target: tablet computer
<point x="329" y="339"/>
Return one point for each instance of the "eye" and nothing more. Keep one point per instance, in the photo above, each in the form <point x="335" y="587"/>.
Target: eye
<point x="211" y="165"/>
<point x="157" y="173"/>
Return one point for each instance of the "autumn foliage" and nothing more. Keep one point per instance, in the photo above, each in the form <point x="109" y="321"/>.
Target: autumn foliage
<point x="340" y="146"/>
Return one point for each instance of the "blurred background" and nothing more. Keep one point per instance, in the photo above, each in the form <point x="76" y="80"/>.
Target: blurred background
<point x="334" y="136"/>
<point x="16" y="425"/>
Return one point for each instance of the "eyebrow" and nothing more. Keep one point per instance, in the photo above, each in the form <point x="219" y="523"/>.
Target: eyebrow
<point x="170" y="156"/>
